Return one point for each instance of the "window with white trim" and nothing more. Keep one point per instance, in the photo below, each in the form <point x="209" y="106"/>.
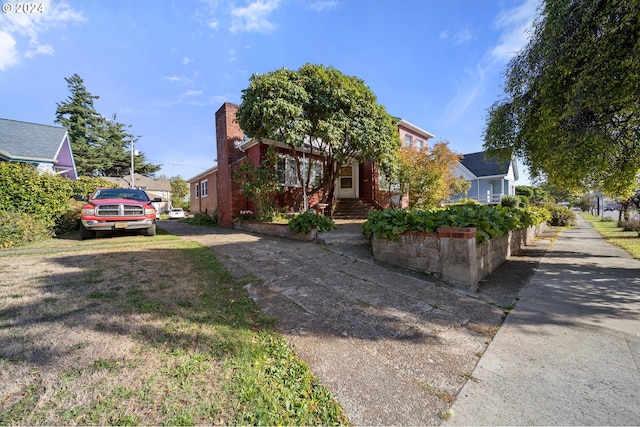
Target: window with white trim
<point x="408" y="140"/>
<point x="288" y="175"/>
<point x="204" y="188"/>
<point x="386" y="183"/>
<point x="197" y="190"/>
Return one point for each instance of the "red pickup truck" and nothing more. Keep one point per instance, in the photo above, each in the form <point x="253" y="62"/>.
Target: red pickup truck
<point x="113" y="209"/>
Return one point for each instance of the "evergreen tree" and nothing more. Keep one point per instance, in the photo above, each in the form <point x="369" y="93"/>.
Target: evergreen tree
<point x="101" y="146"/>
<point x="84" y="124"/>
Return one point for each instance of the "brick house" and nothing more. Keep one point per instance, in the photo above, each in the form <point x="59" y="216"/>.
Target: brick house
<point x="215" y="188"/>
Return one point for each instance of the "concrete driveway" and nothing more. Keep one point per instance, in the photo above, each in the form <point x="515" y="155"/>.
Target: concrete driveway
<point x="393" y="348"/>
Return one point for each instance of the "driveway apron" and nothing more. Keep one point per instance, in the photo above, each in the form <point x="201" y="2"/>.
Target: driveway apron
<point x="393" y="349"/>
<point x="569" y="353"/>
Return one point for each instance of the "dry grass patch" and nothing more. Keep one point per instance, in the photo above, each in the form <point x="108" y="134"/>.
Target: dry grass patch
<point x="142" y="331"/>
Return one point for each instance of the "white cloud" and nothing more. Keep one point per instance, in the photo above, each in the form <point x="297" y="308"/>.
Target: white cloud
<point x="8" y="51"/>
<point x="323" y="5"/>
<point x="179" y="79"/>
<point x="192" y="93"/>
<point x="253" y="17"/>
<point x="186" y="60"/>
<point x="462" y="36"/>
<point x="459" y="37"/>
<point x="19" y="29"/>
<point x="194" y="98"/>
<point x="515" y="25"/>
<point x="43" y="49"/>
<point x="466" y="93"/>
<point x="250" y="16"/>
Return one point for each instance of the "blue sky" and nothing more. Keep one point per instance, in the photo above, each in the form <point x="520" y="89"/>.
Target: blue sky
<point x="164" y="67"/>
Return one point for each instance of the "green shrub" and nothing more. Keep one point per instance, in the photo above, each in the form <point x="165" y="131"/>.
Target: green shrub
<point x="390" y="223"/>
<point x="491" y="221"/>
<point x="47" y="199"/>
<point x="85" y="185"/>
<point x="204" y="219"/>
<point x="24" y="189"/>
<point x="306" y="221"/>
<point x="467" y="202"/>
<point x="560" y="215"/>
<point x="71" y="219"/>
<point x="18" y="228"/>
<point x="533" y="215"/>
<point x="510" y="201"/>
<point x="630" y="225"/>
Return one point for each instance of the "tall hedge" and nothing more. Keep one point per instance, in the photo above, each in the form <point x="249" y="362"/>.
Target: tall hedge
<point x="44" y="198"/>
<point x="23" y="189"/>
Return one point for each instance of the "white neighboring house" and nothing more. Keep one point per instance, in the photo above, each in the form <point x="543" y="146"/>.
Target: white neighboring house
<point x="154" y="187"/>
<point x="490" y="179"/>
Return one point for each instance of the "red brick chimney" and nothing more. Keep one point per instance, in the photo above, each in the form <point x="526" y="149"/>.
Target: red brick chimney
<point x="228" y="133"/>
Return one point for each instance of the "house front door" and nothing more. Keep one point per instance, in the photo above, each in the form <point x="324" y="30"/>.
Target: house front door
<point x="347" y="183"/>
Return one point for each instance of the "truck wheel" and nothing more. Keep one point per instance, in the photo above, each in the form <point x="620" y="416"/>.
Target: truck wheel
<point x="151" y="231"/>
<point x="86" y="234"/>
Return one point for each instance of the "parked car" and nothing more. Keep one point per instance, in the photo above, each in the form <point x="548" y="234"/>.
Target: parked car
<point x="176" y="213"/>
<point x="116" y="209"/>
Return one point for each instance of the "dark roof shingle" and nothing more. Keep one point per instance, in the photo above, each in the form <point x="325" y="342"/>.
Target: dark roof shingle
<point x="30" y="141"/>
<point x="480" y="164"/>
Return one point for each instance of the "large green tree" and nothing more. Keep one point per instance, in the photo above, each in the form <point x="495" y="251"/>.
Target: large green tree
<point x="179" y="193"/>
<point x="323" y="111"/>
<point x="572" y="105"/>
<point x="101" y="146"/>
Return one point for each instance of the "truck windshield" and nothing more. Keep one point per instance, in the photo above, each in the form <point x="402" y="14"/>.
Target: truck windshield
<point x="120" y="193"/>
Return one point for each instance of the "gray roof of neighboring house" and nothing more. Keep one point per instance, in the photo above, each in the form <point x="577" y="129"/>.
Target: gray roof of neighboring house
<point x="22" y="141"/>
<point x="141" y="181"/>
<point x="480" y="164"/>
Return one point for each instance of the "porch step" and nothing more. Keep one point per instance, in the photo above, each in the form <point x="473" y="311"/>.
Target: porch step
<point x="352" y="209"/>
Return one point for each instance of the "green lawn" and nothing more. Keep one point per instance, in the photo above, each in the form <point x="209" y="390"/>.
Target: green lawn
<point x="627" y="240"/>
<point x="143" y="331"/>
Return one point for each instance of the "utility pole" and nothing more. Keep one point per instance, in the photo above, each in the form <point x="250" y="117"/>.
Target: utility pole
<point x="132" y="184"/>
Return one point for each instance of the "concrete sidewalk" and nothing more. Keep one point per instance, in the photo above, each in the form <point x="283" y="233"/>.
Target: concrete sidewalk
<point x="569" y="353"/>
